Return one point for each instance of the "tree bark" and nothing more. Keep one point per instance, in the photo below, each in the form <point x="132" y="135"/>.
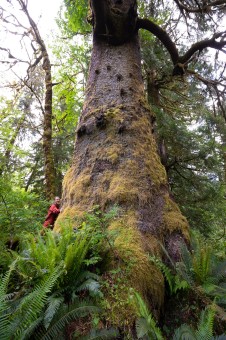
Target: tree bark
<point x="116" y="162"/>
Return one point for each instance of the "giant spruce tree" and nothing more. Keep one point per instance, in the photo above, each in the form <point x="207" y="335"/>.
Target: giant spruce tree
<point x="115" y="160"/>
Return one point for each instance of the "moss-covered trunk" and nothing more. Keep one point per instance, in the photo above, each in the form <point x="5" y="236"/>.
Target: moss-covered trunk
<point x="116" y="162"/>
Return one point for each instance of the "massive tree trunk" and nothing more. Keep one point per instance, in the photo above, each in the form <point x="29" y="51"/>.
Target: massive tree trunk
<point x="116" y="159"/>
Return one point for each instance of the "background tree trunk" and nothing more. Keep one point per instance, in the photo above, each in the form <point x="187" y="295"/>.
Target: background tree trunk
<point x="49" y="169"/>
<point x="47" y="129"/>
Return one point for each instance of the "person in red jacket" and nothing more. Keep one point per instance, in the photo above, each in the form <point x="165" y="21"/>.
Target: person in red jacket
<point x="53" y="212"/>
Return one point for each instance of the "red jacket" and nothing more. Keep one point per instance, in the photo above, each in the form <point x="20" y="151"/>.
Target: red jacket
<point x="51" y="217"/>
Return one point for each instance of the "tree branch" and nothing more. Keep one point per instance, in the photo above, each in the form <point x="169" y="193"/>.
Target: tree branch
<point x="180" y="62"/>
<point x="162" y="35"/>
<point x="201" y="45"/>
<point x="10" y="56"/>
<point x="205" y="7"/>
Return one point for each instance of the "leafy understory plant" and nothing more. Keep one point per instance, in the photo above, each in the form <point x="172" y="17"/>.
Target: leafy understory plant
<point x="201" y="268"/>
<point x="204" y="329"/>
<point x="101" y="334"/>
<point x="53" y="286"/>
<point x="55" y="321"/>
<point x="4" y="297"/>
<point x="146" y="327"/>
<point x="174" y="281"/>
<point x="19" y="321"/>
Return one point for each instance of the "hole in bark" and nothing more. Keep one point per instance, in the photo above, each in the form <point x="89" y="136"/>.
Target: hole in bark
<point x="119" y="77"/>
<point x="122" y="128"/>
<point x="97" y="71"/>
<point x="81" y="131"/>
<point x="89" y="128"/>
<point x="130" y="75"/>
<point x="108" y="68"/>
<point x="122" y="93"/>
<point x="100" y="121"/>
<point x="131" y="89"/>
<point x="153" y="119"/>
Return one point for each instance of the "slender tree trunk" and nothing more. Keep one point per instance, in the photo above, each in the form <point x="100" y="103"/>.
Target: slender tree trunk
<point x="116" y="162"/>
<point x="47" y="129"/>
<point x="223" y="136"/>
<point x="58" y="164"/>
<point x="49" y="169"/>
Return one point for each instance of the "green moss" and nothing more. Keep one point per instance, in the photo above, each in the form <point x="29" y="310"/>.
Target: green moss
<point x="145" y="148"/>
<point x="112" y="153"/>
<point x="122" y="189"/>
<point x="143" y="276"/>
<point x="151" y="244"/>
<point x="118" y="307"/>
<point x="115" y="113"/>
<point x="130" y="270"/>
<point x="173" y="219"/>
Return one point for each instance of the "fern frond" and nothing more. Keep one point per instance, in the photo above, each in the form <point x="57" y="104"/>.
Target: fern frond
<point x="141" y="328"/>
<point x="65" y="316"/>
<point x="186" y="257"/>
<point x="4" y="325"/>
<point x="4" y="308"/>
<point x="74" y="257"/>
<point x="54" y="304"/>
<point x="219" y="271"/>
<point x="201" y="263"/>
<point x="168" y="275"/>
<point x="165" y="270"/>
<point x="30" y="330"/>
<point x="174" y="281"/>
<point x="4" y="286"/>
<point x="92" y="286"/>
<point x="146" y="324"/>
<point x="220" y="337"/>
<point x="29" y="309"/>
<point x="102" y="334"/>
<point x="148" y="328"/>
<point x="142" y="307"/>
<point x="87" y="275"/>
<point x="184" y="332"/>
<point x="205" y="325"/>
<point x="185" y="273"/>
